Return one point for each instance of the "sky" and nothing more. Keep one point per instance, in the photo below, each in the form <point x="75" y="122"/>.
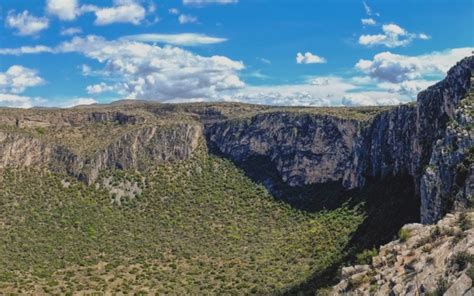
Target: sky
<point x="62" y="53"/>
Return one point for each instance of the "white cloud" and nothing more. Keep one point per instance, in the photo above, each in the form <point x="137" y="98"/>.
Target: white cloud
<point x="159" y="73"/>
<point x="187" y="19"/>
<point x="257" y="74"/>
<point x="26" y="24"/>
<point x="410" y="87"/>
<point x="151" y="7"/>
<point x="265" y="61"/>
<point x="14" y="82"/>
<point x="71" y="31"/>
<point x="373" y="98"/>
<point x="26" y="50"/>
<point x="15" y="101"/>
<point x="393" y="36"/>
<point x="66" y="10"/>
<point x="367" y="8"/>
<point x="309" y="58"/>
<point x="85" y="70"/>
<point x="184" y="39"/>
<point x="203" y="2"/>
<point x="77" y="102"/>
<point x="100" y="88"/>
<point x="17" y="78"/>
<point x="423" y="36"/>
<point x="393" y="29"/>
<point x="124" y="12"/>
<point x="368" y="21"/>
<point x="317" y="91"/>
<point x="173" y="11"/>
<point x="394" y="68"/>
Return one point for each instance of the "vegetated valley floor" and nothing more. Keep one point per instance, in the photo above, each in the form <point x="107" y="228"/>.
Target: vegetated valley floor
<point x="192" y="227"/>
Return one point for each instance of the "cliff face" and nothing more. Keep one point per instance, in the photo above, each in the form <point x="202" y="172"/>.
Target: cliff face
<point x="385" y="147"/>
<point x="134" y="146"/>
<point x="139" y="149"/>
<point x="448" y="180"/>
<point x="309" y="149"/>
<point x="305" y="149"/>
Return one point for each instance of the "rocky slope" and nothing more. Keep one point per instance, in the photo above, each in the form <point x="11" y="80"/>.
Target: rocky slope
<point x="426" y="260"/>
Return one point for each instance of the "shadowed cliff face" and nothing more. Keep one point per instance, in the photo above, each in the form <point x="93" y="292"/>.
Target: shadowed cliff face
<point x="306" y="149"/>
<point x="314" y="149"/>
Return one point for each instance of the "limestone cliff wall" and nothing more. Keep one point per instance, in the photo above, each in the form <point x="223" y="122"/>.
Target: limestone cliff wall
<point x="408" y="139"/>
<point x="138" y="149"/>
<point x="305" y="148"/>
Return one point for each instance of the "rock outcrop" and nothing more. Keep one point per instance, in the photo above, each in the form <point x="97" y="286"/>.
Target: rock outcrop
<point x="427" y="260"/>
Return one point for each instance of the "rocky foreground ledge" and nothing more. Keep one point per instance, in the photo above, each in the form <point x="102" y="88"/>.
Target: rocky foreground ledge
<point x="426" y="260"/>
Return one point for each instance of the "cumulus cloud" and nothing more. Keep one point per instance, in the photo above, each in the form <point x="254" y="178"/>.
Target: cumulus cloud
<point x="159" y="73"/>
<point x="368" y="22"/>
<point x="122" y="11"/>
<point x="184" y="39"/>
<point x="17" y="78"/>
<point x="394" y="68"/>
<point x="128" y="12"/>
<point x="100" y="88"/>
<point x="15" y="81"/>
<point x="26" y="24"/>
<point x="65" y="10"/>
<point x="71" y="31"/>
<point x="410" y="87"/>
<point x="202" y="2"/>
<point x="187" y="19"/>
<point x="309" y="58"/>
<point x="393" y="36"/>
<point x="15" y="101"/>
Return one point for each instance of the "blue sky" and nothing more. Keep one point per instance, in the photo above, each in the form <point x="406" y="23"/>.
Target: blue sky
<point x="299" y="52"/>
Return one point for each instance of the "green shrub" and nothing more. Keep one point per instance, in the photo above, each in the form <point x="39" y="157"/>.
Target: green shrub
<point x="365" y="257"/>
<point x="40" y="130"/>
<point x="404" y="234"/>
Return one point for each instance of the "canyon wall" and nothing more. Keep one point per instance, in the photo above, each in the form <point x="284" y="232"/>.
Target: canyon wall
<point x="409" y="139"/>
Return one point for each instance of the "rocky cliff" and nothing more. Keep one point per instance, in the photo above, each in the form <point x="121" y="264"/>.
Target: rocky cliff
<point x="123" y="144"/>
<point x="305" y="148"/>
<point x="407" y="140"/>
